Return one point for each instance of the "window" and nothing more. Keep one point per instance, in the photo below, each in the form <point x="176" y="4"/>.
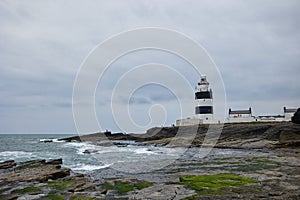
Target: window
<point x="204" y="110"/>
<point x="203" y="95"/>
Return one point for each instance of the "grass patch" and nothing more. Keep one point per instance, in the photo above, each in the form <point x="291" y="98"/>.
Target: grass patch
<point x="196" y="164"/>
<point x="82" y="198"/>
<point x="253" y="167"/>
<point x="107" y="186"/>
<point x="212" y="184"/>
<point x="55" y="197"/>
<point x="243" y="158"/>
<point x="191" y="164"/>
<point x="124" y="187"/>
<point x="270" y="162"/>
<point x="30" y="189"/>
<point x="176" y="170"/>
<point x="142" y="185"/>
<point x="60" y="184"/>
<point x="256" y="165"/>
<point x="248" y="165"/>
<point x="226" y="158"/>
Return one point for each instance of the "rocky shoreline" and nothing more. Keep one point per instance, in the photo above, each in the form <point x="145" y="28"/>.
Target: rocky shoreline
<point x="252" y="177"/>
<point x="270" y="169"/>
<point x="244" y="135"/>
<point x="41" y="179"/>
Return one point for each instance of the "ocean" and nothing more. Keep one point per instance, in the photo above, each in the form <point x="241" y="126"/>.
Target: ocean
<point x="25" y="147"/>
<point x="126" y="156"/>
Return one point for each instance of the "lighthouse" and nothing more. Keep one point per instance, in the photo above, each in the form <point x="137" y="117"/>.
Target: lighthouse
<point x="204" y="101"/>
<point x="204" y="110"/>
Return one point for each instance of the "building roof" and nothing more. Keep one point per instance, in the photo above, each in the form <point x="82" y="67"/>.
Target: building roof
<point x="289" y="110"/>
<point x="240" y="111"/>
<point x="269" y="116"/>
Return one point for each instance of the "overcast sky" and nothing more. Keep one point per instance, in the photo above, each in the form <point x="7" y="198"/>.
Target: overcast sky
<point x="255" y="45"/>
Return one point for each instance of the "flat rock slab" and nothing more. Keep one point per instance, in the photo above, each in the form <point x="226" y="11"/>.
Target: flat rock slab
<point x="163" y="192"/>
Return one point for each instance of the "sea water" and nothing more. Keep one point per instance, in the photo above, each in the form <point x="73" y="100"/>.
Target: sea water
<point x="25" y="147"/>
<point x="130" y="156"/>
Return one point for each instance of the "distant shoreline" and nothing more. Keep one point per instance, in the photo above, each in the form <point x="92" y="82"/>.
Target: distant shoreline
<point x="234" y="135"/>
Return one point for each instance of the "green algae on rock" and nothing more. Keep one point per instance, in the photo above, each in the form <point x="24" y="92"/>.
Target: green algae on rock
<point x="212" y="183"/>
<point x="29" y="189"/>
<point x="122" y="187"/>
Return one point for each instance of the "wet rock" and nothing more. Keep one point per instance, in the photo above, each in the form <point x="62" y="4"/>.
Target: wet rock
<point x="55" y="162"/>
<point x="46" y="140"/>
<point x="103" y="191"/>
<point x="37" y="170"/>
<point x="35" y="179"/>
<point x="7" y="164"/>
<point x="8" y="197"/>
<point x="58" y="173"/>
<point x="79" y="175"/>
<point x="71" y="139"/>
<point x="29" y="164"/>
<point x="31" y="197"/>
<point x="290" y="139"/>
<point x="83" y="185"/>
<point x="162" y="191"/>
<point x="89" y="151"/>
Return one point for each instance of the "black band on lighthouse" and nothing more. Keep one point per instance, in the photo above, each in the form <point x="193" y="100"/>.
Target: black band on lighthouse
<point x="203" y="95"/>
<point x="204" y="110"/>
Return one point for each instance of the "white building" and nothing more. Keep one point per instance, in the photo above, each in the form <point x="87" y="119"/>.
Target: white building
<point x="270" y="118"/>
<point x="288" y="113"/>
<point x="238" y="116"/>
<point x="204" y="112"/>
<point x="203" y="106"/>
<point x="286" y="117"/>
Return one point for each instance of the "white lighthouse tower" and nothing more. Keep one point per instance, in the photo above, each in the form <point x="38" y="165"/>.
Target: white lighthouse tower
<point x="204" y="101"/>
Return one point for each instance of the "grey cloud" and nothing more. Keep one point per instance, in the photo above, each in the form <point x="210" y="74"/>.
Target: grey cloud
<point x="139" y="100"/>
<point x="255" y="45"/>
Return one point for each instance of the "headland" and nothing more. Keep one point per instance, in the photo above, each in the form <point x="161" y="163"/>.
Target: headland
<point x="263" y="164"/>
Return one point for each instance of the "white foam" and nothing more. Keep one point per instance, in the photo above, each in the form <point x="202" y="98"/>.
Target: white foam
<point x="83" y="146"/>
<point x="16" y="154"/>
<point x="85" y="167"/>
<point x="74" y="144"/>
<point x="57" y="140"/>
<point x="50" y="140"/>
<point x="144" y="151"/>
